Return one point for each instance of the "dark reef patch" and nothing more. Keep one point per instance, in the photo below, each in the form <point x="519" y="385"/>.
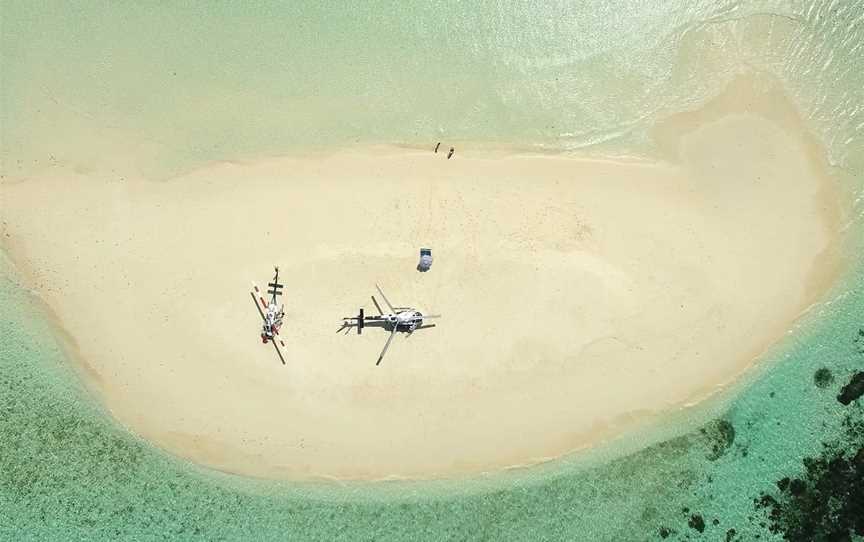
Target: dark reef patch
<point x="696" y="522"/>
<point x="853" y="390"/>
<point x="859" y="341"/>
<point x="826" y="503"/>
<point x="823" y="378"/>
<point x="823" y="502"/>
<point x="718" y="436"/>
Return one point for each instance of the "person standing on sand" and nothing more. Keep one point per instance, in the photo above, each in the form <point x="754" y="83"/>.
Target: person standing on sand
<point x="436" y="147"/>
<point x="449" y="154"/>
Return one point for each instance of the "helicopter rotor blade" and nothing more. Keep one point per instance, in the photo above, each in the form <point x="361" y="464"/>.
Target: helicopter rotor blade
<point x="278" y="352"/>
<point x="377" y="306"/>
<point x="385" y="298"/>
<point x="425" y="316"/>
<point x="257" y="306"/>
<point x="386" y="345"/>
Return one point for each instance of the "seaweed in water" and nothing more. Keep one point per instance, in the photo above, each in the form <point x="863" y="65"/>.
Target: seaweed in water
<point x="823" y="378"/>
<point x="827" y="502"/>
<point x="853" y="390"/>
<point x="696" y="522"/>
<point x="720" y="435"/>
<point x="859" y="341"/>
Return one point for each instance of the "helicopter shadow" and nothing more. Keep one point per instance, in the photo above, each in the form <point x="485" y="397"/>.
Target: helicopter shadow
<point x="348" y="326"/>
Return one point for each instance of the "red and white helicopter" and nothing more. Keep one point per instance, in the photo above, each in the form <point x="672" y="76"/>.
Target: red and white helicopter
<point x="271" y="313"/>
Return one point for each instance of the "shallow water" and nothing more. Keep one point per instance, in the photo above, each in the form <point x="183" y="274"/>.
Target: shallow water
<point x="158" y="90"/>
<point x="182" y="86"/>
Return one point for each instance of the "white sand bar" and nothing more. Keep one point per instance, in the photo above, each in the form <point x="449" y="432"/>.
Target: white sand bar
<point x="576" y="295"/>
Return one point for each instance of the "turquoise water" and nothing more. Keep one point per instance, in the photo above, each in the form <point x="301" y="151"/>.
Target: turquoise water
<point x="213" y="81"/>
<point x="126" y="87"/>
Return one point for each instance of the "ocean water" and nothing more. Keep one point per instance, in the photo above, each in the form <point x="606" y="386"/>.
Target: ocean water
<point x="126" y="87"/>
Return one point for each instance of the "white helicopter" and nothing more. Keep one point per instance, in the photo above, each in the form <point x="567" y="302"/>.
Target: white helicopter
<point x="272" y="319"/>
<point x="405" y="319"/>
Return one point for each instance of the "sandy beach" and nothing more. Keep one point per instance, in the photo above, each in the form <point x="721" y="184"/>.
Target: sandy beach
<point x="578" y="296"/>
